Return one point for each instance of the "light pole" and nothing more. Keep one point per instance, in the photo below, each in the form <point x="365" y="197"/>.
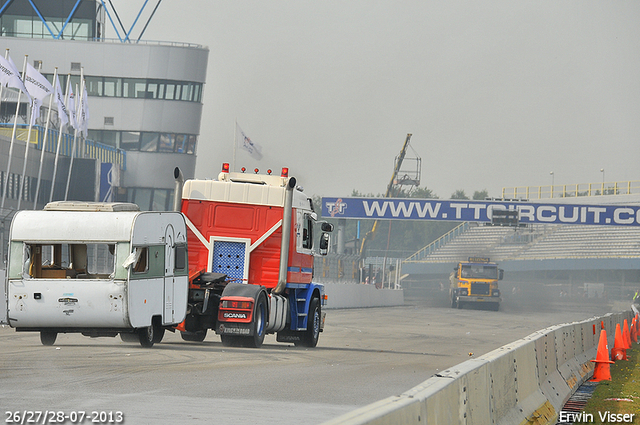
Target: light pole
<point x="602" y="171"/>
<point x="552" y="181"/>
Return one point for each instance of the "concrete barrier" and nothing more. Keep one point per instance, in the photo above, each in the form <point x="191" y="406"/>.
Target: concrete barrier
<point x="525" y="382"/>
<point x="354" y="295"/>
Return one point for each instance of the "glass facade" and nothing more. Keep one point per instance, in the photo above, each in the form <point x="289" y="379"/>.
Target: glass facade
<point x="33" y="27"/>
<point x="137" y="88"/>
<point x="146" y="141"/>
<point x="147" y="198"/>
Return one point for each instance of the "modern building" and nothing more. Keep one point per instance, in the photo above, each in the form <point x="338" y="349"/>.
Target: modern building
<point x="144" y="97"/>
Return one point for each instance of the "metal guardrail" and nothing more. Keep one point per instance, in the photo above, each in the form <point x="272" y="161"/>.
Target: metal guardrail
<point x="442" y="240"/>
<point x="572" y="190"/>
<point x="92" y="149"/>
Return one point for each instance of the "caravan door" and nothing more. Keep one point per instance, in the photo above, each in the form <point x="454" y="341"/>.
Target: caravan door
<point x="169" y="277"/>
<point x="4" y="319"/>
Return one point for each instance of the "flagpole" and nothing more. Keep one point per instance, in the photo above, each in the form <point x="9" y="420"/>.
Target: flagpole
<point x="55" y="162"/>
<point x="6" y="55"/>
<point x="46" y="133"/>
<point x="75" y="133"/>
<point x="235" y="143"/>
<point x="13" y="137"/>
<point x="73" y="150"/>
<point x="34" y="104"/>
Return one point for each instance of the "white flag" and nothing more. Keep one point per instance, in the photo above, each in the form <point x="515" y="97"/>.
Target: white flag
<point x="39" y="88"/>
<point x="63" y="112"/>
<point x="71" y="107"/>
<point x="9" y="75"/>
<point x="37" y="85"/>
<point x="85" y="112"/>
<point x="254" y="149"/>
<point x="35" y="110"/>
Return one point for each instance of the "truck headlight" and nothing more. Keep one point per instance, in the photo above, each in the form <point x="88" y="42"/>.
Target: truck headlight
<point x="495" y="293"/>
<point x="464" y="291"/>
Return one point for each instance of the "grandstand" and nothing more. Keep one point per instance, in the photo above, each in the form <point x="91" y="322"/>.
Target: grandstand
<point x="568" y="253"/>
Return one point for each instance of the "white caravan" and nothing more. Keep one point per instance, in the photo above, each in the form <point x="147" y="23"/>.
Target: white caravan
<point x="101" y="269"/>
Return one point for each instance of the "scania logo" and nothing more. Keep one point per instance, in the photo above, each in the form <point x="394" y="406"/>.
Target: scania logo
<point x="234" y="315"/>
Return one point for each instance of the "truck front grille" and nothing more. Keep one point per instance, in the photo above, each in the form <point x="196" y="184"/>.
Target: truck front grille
<point x="480" y="289"/>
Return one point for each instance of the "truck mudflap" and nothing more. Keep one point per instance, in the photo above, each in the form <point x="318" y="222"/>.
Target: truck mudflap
<point x="236" y="310"/>
<point x="239" y="329"/>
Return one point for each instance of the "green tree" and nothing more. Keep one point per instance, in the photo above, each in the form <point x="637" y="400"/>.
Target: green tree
<point x="459" y="194"/>
<point x="479" y="195"/>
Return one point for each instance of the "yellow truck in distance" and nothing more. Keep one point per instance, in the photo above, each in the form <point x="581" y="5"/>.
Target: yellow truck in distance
<point x="475" y="281"/>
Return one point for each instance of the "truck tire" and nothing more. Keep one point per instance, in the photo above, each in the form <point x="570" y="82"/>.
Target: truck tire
<point x="459" y="303"/>
<point x="48" y="337"/>
<point x="260" y="315"/>
<point x="454" y="304"/>
<point x="495" y="306"/>
<point x="312" y="334"/>
<point x="194" y="336"/>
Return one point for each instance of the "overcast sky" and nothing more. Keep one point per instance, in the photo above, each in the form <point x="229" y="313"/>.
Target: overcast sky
<point x="495" y="93"/>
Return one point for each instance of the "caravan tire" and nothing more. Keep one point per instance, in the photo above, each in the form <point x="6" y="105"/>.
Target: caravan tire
<point x="129" y="337"/>
<point x="146" y="336"/>
<point x="48" y="337"/>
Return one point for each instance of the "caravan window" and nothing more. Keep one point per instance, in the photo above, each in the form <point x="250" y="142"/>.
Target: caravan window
<point x="181" y="257"/>
<point x="142" y="265"/>
<point x="68" y="260"/>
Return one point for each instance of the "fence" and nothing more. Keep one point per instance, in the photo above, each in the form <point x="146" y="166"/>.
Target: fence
<point x="572" y="190"/>
<point x="92" y="149"/>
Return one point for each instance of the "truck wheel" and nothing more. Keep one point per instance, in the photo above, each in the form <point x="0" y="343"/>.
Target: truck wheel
<point x="495" y="307"/>
<point x="48" y="337"/>
<point x="260" y="314"/>
<point x="194" y="336"/>
<point x="145" y="336"/>
<point x="459" y="304"/>
<point x="312" y="334"/>
<point x="454" y="304"/>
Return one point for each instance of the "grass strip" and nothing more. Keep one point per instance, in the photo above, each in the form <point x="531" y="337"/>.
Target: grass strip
<point x="619" y="396"/>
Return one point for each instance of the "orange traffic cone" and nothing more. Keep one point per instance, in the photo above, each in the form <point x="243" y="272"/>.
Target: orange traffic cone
<point x="602" y="371"/>
<point x="633" y="333"/>
<point x="637" y="324"/>
<point x="625" y="335"/>
<point x="618" y="352"/>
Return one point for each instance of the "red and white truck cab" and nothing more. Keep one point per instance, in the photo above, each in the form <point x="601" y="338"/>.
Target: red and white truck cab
<point x="251" y="252"/>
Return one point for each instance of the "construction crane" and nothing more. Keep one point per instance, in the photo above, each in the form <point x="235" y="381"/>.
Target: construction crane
<point x="394" y="181"/>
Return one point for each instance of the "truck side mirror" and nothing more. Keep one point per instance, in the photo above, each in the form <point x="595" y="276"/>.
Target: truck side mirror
<point x="324" y="243"/>
<point x="500" y="274"/>
<point x="326" y="227"/>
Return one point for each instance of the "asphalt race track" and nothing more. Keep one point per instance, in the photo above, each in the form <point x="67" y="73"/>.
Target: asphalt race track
<point x="363" y="355"/>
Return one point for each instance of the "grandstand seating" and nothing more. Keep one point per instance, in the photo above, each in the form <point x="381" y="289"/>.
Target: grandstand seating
<point x="539" y="242"/>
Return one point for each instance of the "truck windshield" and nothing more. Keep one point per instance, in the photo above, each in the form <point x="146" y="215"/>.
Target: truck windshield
<point x="479" y="271"/>
<point x="68" y="260"/>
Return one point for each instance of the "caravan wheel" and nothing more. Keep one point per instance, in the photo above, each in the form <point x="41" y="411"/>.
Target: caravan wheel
<point x="145" y="336"/>
<point x="48" y="337"/>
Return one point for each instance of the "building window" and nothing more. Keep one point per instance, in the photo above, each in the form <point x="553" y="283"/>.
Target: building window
<point x="130" y="140"/>
<point x="149" y="142"/>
